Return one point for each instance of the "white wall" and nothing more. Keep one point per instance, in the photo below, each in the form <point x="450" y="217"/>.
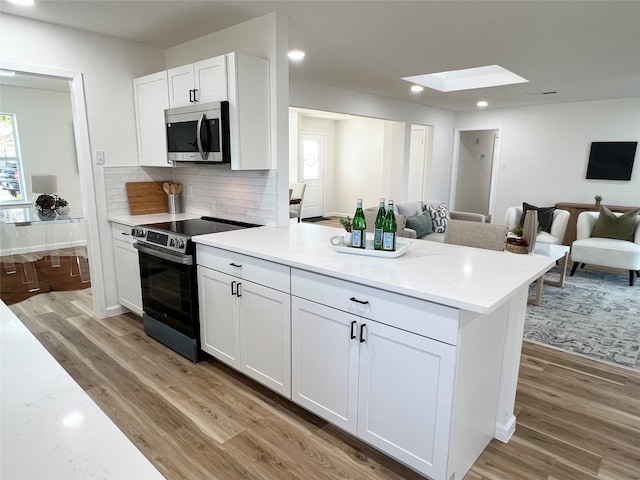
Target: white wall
<point x="545" y="149"/>
<point x="316" y="96"/>
<point x="108" y="66"/>
<point x="359" y="163"/>
<point x="45" y="129"/>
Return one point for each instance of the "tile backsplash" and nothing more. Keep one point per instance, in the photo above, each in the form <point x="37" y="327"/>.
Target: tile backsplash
<point x="214" y="190"/>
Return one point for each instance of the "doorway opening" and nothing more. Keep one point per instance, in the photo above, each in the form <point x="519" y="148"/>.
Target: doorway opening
<point x="81" y="143"/>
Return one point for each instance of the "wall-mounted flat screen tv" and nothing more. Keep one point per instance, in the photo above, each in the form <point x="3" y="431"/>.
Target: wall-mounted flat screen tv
<point x="611" y="160"/>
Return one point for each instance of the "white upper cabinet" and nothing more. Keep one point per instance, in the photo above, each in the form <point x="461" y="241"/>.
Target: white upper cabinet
<point x="200" y="82"/>
<point x="151" y="99"/>
<point x="241" y="80"/>
<point x="248" y="81"/>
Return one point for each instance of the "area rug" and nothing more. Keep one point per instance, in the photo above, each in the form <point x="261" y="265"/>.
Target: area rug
<point x="50" y="278"/>
<point x="596" y="315"/>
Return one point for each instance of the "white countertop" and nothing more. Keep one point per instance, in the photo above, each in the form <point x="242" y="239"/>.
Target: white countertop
<point x="462" y="277"/>
<point x="49" y="427"/>
<point x="136" y="220"/>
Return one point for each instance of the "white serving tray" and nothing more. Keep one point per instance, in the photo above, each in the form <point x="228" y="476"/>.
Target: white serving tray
<point x="337" y="242"/>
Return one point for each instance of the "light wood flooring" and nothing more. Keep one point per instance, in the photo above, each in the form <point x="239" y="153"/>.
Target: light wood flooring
<point x="577" y="419"/>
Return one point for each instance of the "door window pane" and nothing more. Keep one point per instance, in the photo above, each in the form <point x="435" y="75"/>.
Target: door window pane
<point x="310" y="160"/>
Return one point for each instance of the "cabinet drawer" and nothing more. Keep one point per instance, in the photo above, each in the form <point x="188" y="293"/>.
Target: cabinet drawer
<point x="248" y="268"/>
<point x="418" y="316"/>
<point x="122" y="232"/>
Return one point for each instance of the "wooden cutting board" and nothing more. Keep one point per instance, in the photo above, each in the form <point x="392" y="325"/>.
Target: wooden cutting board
<point x="146" y="197"/>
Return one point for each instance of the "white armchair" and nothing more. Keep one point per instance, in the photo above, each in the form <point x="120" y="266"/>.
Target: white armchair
<point x="605" y="252"/>
<point x="558" y="225"/>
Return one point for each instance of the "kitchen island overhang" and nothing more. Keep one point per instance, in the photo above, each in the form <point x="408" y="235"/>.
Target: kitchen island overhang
<point x="484" y="292"/>
<point x="467" y="278"/>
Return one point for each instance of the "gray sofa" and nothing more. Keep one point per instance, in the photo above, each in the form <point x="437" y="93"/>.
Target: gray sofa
<point x="411" y="209"/>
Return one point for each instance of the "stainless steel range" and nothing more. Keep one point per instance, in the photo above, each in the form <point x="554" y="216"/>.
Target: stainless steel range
<point x="168" y="277"/>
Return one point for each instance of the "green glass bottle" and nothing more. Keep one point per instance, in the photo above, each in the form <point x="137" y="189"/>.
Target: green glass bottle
<point x="359" y="228"/>
<point x="377" y="232"/>
<point x="389" y="228"/>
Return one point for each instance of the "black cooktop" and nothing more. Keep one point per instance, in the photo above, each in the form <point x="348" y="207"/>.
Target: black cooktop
<point x="199" y="226"/>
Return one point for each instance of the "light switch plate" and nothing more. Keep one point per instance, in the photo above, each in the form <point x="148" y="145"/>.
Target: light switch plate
<point x="99" y="157"/>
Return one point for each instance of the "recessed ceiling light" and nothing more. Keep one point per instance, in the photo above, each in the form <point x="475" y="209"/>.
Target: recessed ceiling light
<point x="296" y="55"/>
<point x="417" y="88"/>
<point x="482" y="104"/>
<point x="467" y="79"/>
<point x="23" y="3"/>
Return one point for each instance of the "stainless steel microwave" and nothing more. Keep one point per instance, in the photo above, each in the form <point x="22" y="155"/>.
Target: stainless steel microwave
<point x="198" y="133"/>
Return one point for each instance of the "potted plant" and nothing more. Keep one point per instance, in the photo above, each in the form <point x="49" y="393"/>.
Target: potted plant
<point x="347" y="223"/>
<point x="598" y="200"/>
<point x="62" y="206"/>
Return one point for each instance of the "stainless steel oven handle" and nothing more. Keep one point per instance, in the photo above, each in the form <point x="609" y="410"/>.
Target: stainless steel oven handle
<point x="180" y="259"/>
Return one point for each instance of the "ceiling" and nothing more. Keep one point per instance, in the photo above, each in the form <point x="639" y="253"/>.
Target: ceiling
<point x="583" y="50"/>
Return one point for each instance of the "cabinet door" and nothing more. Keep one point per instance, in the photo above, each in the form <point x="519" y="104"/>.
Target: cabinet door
<point x="151" y="99"/>
<point x="128" y="276"/>
<point x="265" y="335"/>
<point x="210" y="79"/>
<point x="218" y="316"/>
<point x="180" y="84"/>
<point x="249" y="118"/>
<point x="325" y="361"/>
<point x="405" y="396"/>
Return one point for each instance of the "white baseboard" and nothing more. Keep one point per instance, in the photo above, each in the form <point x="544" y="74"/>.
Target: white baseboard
<point x="503" y="432"/>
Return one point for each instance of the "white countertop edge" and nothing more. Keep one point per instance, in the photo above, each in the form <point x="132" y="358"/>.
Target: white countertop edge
<point x="50" y="427"/>
<point x="220" y="240"/>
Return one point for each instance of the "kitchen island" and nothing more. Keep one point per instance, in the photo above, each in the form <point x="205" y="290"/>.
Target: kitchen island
<point x="50" y="427"/>
<point x="416" y="355"/>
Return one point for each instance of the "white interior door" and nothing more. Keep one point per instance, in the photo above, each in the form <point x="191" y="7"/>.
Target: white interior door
<point x="311" y="165"/>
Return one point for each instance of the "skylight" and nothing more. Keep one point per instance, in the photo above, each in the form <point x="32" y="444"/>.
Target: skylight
<point x="467" y="79"/>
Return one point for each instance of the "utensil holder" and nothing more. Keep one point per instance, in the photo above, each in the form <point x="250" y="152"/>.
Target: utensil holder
<point x="174" y="203"/>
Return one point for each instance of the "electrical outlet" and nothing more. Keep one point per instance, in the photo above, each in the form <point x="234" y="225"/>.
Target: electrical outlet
<point x="99" y="157"/>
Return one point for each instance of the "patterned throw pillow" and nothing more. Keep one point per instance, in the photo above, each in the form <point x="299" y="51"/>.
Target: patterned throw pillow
<point x="439" y="217"/>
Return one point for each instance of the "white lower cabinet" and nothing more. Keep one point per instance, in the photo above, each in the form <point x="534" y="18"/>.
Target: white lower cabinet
<point x="247" y="326"/>
<point x="389" y="387"/>
<point x="127" y="269"/>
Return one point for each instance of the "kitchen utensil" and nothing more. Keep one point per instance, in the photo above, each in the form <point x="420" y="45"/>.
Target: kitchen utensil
<point x="166" y="188"/>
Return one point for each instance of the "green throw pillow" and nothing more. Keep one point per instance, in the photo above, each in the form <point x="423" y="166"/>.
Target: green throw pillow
<point x="610" y="225"/>
<point x="421" y="224"/>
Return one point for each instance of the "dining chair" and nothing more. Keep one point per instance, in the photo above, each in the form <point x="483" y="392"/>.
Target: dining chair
<point x="297" y="195"/>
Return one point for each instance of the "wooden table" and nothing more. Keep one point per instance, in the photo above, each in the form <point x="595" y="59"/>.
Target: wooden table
<point x="558" y="253"/>
<point x="576" y="209"/>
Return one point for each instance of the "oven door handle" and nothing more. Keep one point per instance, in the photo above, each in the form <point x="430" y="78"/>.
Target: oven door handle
<point x="180" y="259"/>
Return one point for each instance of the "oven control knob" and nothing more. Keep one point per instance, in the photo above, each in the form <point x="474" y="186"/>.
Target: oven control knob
<point x="180" y="243"/>
<point x="137" y="232"/>
<point x="172" y="243"/>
